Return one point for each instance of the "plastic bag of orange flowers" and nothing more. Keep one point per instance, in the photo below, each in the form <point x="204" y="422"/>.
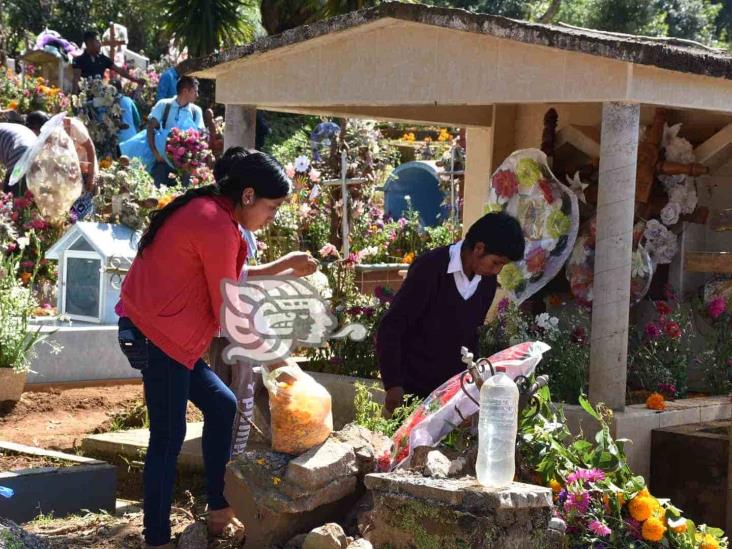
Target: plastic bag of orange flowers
<point x="300" y="409"/>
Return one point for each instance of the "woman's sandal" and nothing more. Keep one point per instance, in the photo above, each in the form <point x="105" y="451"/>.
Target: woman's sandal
<point x="224" y="524"/>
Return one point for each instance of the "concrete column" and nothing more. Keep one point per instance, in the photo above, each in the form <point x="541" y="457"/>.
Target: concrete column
<point x="613" y="250"/>
<point x="486" y="149"/>
<point x="241" y="126"/>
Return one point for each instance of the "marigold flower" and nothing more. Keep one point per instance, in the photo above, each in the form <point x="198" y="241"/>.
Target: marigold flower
<point x="640" y="507"/>
<point x="656" y="402"/>
<point x="621" y="498"/>
<point x="653" y="529"/>
<point x="709" y="542"/>
<point x="555" y="486"/>
<point x="408" y="258"/>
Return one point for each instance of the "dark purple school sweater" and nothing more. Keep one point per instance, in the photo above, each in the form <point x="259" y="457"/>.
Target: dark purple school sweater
<point x="419" y="339"/>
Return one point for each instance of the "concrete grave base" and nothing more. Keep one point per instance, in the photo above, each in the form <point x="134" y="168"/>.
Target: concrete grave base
<point x="90" y="352"/>
<point x="86" y="484"/>
<point x="412" y="511"/>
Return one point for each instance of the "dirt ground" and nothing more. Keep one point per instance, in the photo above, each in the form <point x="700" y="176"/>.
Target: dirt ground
<point x="13" y="462"/>
<point x="59" y="419"/>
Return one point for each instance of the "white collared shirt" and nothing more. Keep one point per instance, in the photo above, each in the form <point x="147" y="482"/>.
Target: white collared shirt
<point x="465" y="286"/>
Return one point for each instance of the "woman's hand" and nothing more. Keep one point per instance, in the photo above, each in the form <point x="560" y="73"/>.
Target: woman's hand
<point x="301" y="263"/>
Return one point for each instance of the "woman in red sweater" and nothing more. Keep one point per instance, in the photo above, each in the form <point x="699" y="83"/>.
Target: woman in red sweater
<point x="169" y="312"/>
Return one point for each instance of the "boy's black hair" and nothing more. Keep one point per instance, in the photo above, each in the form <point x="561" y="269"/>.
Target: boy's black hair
<point x="90" y="35"/>
<point x="185" y="83"/>
<point x="500" y="233"/>
<point x="36" y="120"/>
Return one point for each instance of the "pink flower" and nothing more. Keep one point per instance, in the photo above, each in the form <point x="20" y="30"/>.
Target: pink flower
<point x="180" y="151"/>
<point x="589" y="475"/>
<point x="328" y="250"/>
<point x="716" y="307"/>
<point x="577" y="502"/>
<point x="652" y="331"/>
<point x="402" y="222"/>
<point x="314" y="175"/>
<point x="599" y="529"/>
<point x="290" y="170"/>
<point x="673" y="330"/>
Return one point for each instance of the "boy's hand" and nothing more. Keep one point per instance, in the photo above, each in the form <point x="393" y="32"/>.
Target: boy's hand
<point x="394" y="399"/>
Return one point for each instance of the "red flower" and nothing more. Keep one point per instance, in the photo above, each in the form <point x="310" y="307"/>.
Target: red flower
<point x="536" y="260"/>
<point x="673" y="330"/>
<point x="663" y="308"/>
<point x="505" y="183"/>
<point x="383" y="462"/>
<point x="547" y="190"/>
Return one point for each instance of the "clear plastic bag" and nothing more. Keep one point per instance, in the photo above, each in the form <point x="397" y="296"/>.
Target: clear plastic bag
<point x="448" y="406"/>
<point x="300" y="409"/>
<point x="51" y="169"/>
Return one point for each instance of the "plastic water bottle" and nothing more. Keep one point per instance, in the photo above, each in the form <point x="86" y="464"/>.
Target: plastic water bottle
<point x="497" y="424"/>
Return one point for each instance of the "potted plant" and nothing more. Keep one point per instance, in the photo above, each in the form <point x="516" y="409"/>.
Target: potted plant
<point x="17" y="338"/>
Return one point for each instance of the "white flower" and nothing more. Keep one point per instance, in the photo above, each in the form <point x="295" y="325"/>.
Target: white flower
<point x="691" y="199"/>
<point x="677" y="148"/>
<point x="670" y="213"/>
<point x="302" y="163"/>
<point x="319" y="281"/>
<point x="577" y="187"/>
<point x="315" y="192"/>
<point x="676" y="193"/>
<point x="580" y="252"/>
<point x="369" y="251"/>
<point x="23" y="242"/>
<point x="664" y="249"/>
<point x="548" y="323"/>
<point x="654" y="230"/>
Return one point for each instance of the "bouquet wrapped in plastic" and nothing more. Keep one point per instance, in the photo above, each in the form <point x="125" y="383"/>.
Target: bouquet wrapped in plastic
<point x="581" y="267"/>
<point x="524" y="187"/>
<point x="51" y="169"/>
<point x="448" y="405"/>
<point x="300" y="409"/>
<point x="188" y="150"/>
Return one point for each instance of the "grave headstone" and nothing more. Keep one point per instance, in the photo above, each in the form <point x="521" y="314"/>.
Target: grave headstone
<point x="93" y="259"/>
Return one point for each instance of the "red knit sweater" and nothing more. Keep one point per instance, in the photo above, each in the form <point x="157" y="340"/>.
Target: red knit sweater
<point x="172" y="292"/>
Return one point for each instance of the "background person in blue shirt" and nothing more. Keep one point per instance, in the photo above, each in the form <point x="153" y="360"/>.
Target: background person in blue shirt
<point x="167" y="84"/>
<point x="176" y="112"/>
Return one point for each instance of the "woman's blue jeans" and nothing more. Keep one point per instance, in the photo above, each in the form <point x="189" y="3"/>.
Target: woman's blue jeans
<point x="168" y="387"/>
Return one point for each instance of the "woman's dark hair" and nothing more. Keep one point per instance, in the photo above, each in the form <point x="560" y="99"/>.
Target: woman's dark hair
<point x="235" y="171"/>
<point x="501" y="235"/>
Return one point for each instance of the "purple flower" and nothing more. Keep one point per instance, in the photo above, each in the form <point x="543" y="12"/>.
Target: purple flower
<point x="503" y="306"/>
<point x="402" y="222"/>
<point x="562" y="497"/>
<point x="668" y="389"/>
<point x="652" y="331"/>
<point x="599" y="529"/>
<point x="634" y="527"/>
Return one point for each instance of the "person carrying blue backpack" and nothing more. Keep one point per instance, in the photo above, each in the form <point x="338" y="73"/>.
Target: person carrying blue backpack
<point x="176" y="112"/>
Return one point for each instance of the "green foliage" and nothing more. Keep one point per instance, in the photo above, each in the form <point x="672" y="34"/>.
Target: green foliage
<point x="716" y="358"/>
<point x="204" y="26"/>
<point x="289" y="135"/>
<point x="567" y="362"/>
<point x="368" y="412"/>
<point x="17" y="303"/>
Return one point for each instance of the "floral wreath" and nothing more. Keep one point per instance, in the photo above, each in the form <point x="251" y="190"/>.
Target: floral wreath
<point x="524" y="187"/>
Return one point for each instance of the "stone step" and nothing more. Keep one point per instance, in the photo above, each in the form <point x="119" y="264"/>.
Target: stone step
<point x="132" y="445"/>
